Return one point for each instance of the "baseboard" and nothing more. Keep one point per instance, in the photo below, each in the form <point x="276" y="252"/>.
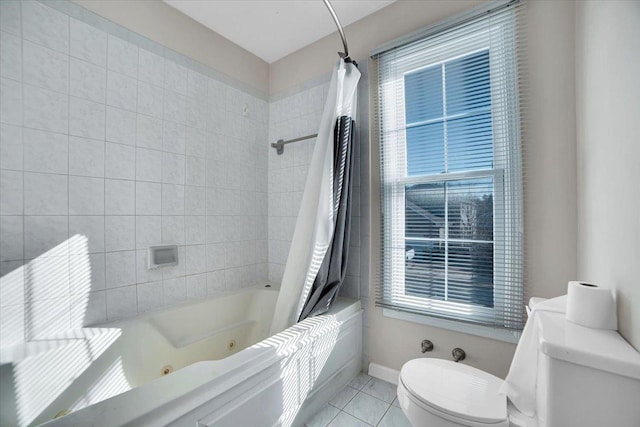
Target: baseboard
<point x="383" y="373"/>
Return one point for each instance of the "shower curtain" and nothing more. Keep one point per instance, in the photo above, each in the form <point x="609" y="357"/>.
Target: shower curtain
<point x="316" y="265"/>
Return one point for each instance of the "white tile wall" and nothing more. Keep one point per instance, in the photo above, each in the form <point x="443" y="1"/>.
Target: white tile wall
<point x="291" y="117"/>
<point x="106" y="140"/>
<point x="88" y="43"/>
<point x="41" y="24"/>
<point x="107" y="148"/>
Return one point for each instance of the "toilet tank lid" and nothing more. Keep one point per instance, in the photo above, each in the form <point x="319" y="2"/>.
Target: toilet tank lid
<point x="600" y="349"/>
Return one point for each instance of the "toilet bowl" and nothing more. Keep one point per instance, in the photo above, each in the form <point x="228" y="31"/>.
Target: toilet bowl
<point x="566" y="361"/>
<point x="441" y="393"/>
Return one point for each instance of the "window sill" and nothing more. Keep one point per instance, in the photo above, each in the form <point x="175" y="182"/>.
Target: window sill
<point x="467" y="328"/>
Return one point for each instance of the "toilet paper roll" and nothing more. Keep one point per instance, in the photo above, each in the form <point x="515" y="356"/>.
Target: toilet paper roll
<point x="591" y="306"/>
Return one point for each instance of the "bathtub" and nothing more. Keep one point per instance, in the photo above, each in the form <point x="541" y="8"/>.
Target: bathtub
<point x="203" y="363"/>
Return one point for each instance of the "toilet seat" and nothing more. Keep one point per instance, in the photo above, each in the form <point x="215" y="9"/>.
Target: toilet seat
<point x="455" y="392"/>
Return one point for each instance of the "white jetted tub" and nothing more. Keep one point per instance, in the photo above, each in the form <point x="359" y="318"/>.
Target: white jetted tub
<point x="203" y="363"/>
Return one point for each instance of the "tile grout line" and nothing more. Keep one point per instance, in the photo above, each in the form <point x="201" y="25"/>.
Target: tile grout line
<point x="389" y="405"/>
<point x="161" y="180"/>
<point x="68" y="157"/>
<point x="333" y="418"/>
<point x="369" y="396"/>
<point x="135" y="185"/>
<point x="104" y="180"/>
<point x="385" y="414"/>
<point x="24" y="281"/>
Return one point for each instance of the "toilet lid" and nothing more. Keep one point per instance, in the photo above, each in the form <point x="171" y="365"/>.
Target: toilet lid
<point x="456" y="389"/>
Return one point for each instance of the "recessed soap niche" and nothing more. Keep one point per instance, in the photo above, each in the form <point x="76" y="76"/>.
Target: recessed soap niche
<point x="162" y="256"/>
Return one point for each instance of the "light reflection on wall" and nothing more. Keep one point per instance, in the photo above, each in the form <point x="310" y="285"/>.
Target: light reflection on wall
<point x="12" y="307"/>
<point x="43" y="349"/>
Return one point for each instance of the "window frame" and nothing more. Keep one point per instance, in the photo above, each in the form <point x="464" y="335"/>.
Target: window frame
<point x="424" y="309"/>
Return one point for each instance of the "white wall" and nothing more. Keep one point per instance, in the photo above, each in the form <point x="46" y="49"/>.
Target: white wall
<point x="549" y="205"/>
<point x="110" y="143"/>
<point x="550" y="193"/>
<point x="608" y="141"/>
<point x="395" y="20"/>
<point x="165" y="25"/>
<point x="550" y="166"/>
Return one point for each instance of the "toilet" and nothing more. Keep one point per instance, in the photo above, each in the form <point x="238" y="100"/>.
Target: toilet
<point x="585" y="378"/>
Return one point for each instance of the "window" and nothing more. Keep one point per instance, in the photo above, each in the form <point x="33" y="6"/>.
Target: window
<point x="448" y="125"/>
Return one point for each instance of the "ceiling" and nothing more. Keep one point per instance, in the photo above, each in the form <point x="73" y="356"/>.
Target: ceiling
<point x="272" y="29"/>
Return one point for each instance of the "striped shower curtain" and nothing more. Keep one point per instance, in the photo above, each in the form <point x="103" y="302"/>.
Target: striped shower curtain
<point x="316" y="266"/>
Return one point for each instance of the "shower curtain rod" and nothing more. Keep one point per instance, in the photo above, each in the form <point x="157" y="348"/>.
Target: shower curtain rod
<point x="344" y="55"/>
<point x="279" y="146"/>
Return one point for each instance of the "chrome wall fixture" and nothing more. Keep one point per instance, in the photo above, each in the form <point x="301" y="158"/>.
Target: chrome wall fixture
<point x="458" y="354"/>
<point x="279" y="146"/>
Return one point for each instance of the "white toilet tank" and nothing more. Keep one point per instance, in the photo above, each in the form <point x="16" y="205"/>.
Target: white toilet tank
<point x="586" y="377"/>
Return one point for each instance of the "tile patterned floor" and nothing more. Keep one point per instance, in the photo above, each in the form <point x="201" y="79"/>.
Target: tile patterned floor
<point x="365" y="402"/>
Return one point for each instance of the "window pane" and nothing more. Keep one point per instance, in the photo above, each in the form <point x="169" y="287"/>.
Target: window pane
<point x="425" y="269"/>
<point x="470" y="207"/>
<point x="423" y="94"/>
<point x="425" y="149"/>
<point x="461" y="140"/>
<point x="470" y="273"/>
<point x="425" y="211"/>
<point x="470" y="143"/>
<point x="436" y="266"/>
<point x="468" y="86"/>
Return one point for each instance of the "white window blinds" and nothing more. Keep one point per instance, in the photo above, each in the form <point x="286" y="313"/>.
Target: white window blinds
<point x="448" y="122"/>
